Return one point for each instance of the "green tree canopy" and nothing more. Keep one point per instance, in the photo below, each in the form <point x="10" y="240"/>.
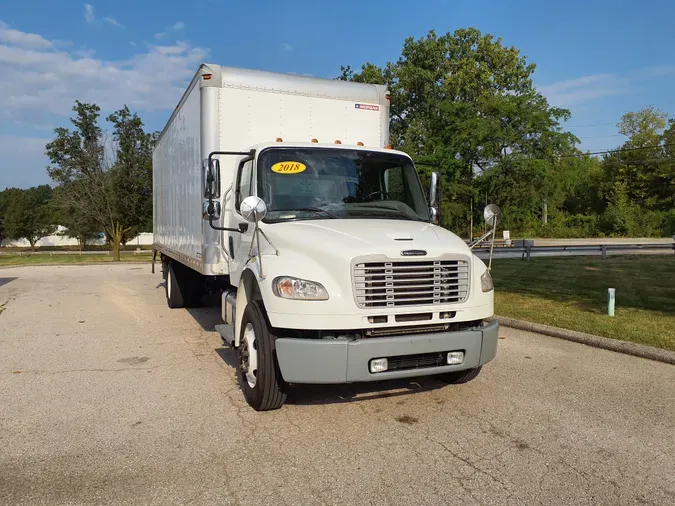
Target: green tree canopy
<point x="465" y="103"/>
<point x="28" y="214"/>
<point x="113" y="195"/>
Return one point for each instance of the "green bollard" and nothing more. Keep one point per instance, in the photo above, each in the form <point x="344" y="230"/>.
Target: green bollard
<point x="610" y="306"/>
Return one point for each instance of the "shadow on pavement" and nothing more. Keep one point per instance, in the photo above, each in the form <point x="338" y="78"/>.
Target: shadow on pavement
<point x="302" y="395"/>
<point x="307" y="395"/>
<point x="207" y="316"/>
<point x="229" y="356"/>
<point x="4" y="281"/>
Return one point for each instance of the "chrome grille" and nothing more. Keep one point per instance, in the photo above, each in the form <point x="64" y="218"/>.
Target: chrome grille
<point x="411" y="283"/>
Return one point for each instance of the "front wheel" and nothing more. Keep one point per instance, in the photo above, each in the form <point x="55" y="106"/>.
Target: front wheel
<point x="259" y="373"/>
<point x="458" y="377"/>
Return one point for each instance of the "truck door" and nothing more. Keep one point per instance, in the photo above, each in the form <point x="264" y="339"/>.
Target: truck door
<point x="240" y="244"/>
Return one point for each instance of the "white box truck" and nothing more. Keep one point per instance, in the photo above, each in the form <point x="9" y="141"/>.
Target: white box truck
<point x="281" y="193"/>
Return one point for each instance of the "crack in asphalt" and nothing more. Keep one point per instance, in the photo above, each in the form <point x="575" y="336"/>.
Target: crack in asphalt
<point x="69" y="371"/>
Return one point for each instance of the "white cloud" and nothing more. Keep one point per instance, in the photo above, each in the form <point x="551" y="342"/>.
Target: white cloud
<point x="35" y="84"/>
<point x="26" y="154"/>
<point x="112" y="21"/>
<point x="17" y="38"/>
<point x="89" y="13"/>
<point x="582" y="89"/>
<point x="178" y="26"/>
<point x="84" y="53"/>
<point x="287" y="48"/>
<point x="23" y="145"/>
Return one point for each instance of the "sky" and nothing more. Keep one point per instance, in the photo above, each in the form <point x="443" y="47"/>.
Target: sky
<point x="597" y="58"/>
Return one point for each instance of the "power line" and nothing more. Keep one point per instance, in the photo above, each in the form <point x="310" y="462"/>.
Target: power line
<point x="576" y="155"/>
<point x="599" y="136"/>
<point x="619" y="150"/>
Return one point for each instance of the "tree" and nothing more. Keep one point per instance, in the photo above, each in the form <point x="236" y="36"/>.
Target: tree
<point x="76" y="224"/>
<point x="465" y="103"/>
<point x="4" y="202"/>
<point x="642" y="173"/>
<point x="107" y="193"/>
<point x="28" y="214"/>
<point x="133" y="170"/>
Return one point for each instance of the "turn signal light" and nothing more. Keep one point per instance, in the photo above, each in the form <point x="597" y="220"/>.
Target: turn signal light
<point x="315" y="140"/>
<point x="359" y="143"/>
<point x="279" y="139"/>
<point x="388" y="146"/>
<point x="206" y="77"/>
<point x="338" y="141"/>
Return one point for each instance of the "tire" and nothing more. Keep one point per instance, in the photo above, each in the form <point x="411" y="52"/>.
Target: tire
<point x="184" y="287"/>
<point x="459" y="377"/>
<point x="174" y="287"/>
<point x="264" y="387"/>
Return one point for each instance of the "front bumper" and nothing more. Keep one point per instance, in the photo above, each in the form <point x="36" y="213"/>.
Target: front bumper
<point x="346" y="361"/>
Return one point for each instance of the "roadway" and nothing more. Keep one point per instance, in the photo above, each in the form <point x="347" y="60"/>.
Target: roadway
<point x="109" y="397"/>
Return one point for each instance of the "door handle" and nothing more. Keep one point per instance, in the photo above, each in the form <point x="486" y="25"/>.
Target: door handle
<point x="243" y="227"/>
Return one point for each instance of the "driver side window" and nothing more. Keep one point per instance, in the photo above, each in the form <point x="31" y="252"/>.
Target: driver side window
<point x="243" y="184"/>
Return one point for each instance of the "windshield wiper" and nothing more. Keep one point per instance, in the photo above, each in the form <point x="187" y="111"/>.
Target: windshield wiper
<point x="317" y="210"/>
<point x="397" y="212"/>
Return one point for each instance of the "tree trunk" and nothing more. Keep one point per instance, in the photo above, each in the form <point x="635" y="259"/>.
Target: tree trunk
<point x="115" y="240"/>
<point x="32" y="241"/>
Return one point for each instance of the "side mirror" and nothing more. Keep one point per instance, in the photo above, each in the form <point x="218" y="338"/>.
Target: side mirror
<point x="434" y="213"/>
<point x="253" y="209"/>
<point x="492" y="215"/>
<point x="212" y="180"/>
<point x="433" y="189"/>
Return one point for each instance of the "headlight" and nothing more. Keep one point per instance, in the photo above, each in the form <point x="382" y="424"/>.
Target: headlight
<point x="301" y="289"/>
<point x="486" y="282"/>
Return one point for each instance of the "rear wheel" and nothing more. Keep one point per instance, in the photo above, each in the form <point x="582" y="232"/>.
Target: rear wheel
<point x="184" y="287"/>
<point x="174" y="288"/>
<point x="458" y="377"/>
<point x="259" y="373"/>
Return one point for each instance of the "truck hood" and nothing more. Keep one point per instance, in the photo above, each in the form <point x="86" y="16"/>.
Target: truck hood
<point x="356" y="237"/>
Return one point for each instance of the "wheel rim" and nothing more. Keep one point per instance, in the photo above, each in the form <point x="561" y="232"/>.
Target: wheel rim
<point x="169" y="284"/>
<point x="249" y="356"/>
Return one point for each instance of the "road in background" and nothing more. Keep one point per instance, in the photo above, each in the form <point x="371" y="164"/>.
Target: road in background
<point x="109" y="397"/>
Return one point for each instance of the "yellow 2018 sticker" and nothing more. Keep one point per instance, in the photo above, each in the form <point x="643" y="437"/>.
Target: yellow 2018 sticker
<point x="288" y="167"/>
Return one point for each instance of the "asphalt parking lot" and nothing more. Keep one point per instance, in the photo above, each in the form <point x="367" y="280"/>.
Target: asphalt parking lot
<point x="109" y="397"/>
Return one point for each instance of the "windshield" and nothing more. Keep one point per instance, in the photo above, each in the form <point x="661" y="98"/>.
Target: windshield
<point x="324" y="183"/>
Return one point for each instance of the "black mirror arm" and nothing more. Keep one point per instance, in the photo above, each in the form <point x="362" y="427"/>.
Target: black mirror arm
<point x="250" y="155"/>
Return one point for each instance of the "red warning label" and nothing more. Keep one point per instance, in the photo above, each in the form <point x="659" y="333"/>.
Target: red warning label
<point x="367" y="107"/>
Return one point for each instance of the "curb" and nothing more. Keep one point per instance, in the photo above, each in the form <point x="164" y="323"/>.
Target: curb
<point x="76" y="264"/>
<point x="626" y="347"/>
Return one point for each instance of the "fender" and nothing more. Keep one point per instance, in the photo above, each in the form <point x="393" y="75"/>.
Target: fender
<point x="248" y="290"/>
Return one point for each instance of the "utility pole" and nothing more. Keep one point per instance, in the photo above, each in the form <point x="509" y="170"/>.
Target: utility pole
<point x="471" y="229"/>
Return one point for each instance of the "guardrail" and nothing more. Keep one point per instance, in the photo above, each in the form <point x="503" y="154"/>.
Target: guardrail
<point x="137" y="251"/>
<point x="528" y="249"/>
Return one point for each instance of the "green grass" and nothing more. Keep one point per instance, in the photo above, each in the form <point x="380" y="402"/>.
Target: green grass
<point x="571" y="292"/>
<point x="46" y="258"/>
